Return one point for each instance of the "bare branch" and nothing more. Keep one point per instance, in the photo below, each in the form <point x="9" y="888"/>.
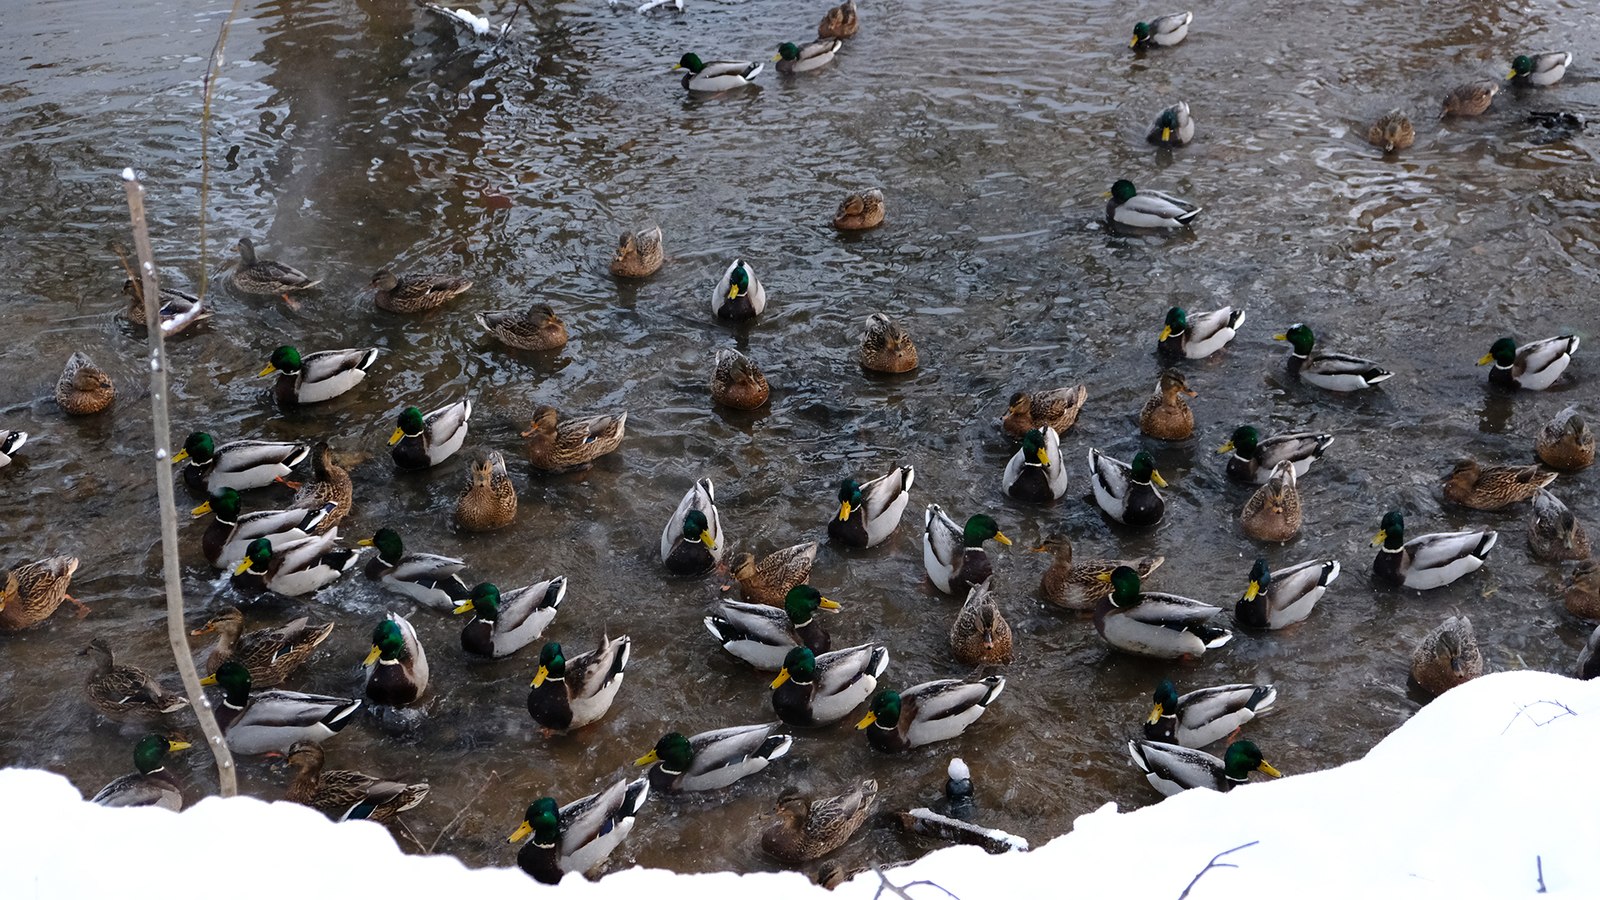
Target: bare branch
<point x="207" y="89"/>
<point x="1213" y="864"/>
<point x="1538" y="862"/>
<point x="901" y="890"/>
<point x="494" y="775"/>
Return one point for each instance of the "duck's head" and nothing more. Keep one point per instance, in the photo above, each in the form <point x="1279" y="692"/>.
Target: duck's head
<point x="799" y="666"/>
<point x="1125" y="586"/>
<point x="388" y="643"/>
<point x="1141" y="33"/>
<point x="1503" y="353"/>
<point x="980" y="528"/>
<point x="850" y="498"/>
<point x="1033" y="450"/>
<point x="150" y="753"/>
<point x="1056" y="543"/>
<point x="1177" y="323"/>
<point x="484" y="601"/>
<point x="885" y="711"/>
<point x="1299" y="337"/>
<point x="385" y="280"/>
<point x="552" y="665"/>
<point x="1122" y="191"/>
<point x="802" y="603"/>
<point x="1242" y="758"/>
<point x="1167" y="122"/>
<point x="247" y="251"/>
<point x="674" y="753"/>
<point x="1166" y="697"/>
<point x="697" y="529"/>
<point x="1143" y="469"/>
<point x="390" y="547"/>
<point x="691" y="62"/>
<point x="257" y="557"/>
<point x="1171" y="383"/>
<point x="1392" y="532"/>
<point x="738" y="280"/>
<point x="788" y="50"/>
<point x="284" y="359"/>
<point x="235" y="681"/>
<point x="198" y="447"/>
<point x="543" y="821"/>
<point x="411" y="425"/>
<point x="1522" y="65"/>
<point x="1243" y="443"/>
<point x="224" y="504"/>
<point x="1260" y="578"/>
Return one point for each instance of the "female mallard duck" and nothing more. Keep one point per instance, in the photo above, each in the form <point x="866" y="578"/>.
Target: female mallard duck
<point x="930" y="712"/>
<point x="859" y="210"/>
<point x="428" y="578"/>
<point x="886" y="347"/>
<point x="150" y="785"/>
<point x="712" y="760"/>
<point x="739" y="294"/>
<point x="737" y="382"/>
<point x="343" y="795"/>
<point x="691" y="542"/>
<point x="869" y="513"/>
<point x="1078" y="585"/>
<point x="329" y="486"/>
<point x="1273" y="512"/>
<point x="1554" y="533"/>
<point x="295" y="568"/>
<point x="1429" y="561"/>
<point x="272" y="721"/>
<point x="1036" y="472"/>
<point x="397" y="667"/>
<point x="1163" y="31"/>
<point x="502" y="624"/>
<point x="1166" y="415"/>
<point x="421" y="441"/>
<point x="793" y="59"/>
<point x="1124" y="491"/>
<point x="267" y="277"/>
<point x="415" y="293"/>
<point x="270" y="654"/>
<point x="1542" y="69"/>
<point x="1493" y="487"/>
<point x="805" y="830"/>
<point x="1565" y="442"/>
<point x="567" y="695"/>
<point x="1532" y="367"/>
<point x="1469" y="99"/>
<point x="981" y="636"/>
<point x="318" y="376"/>
<point x="34" y="590"/>
<point x="1199" y="335"/>
<point x="536" y="328"/>
<point x="1447" y="656"/>
<point x="1201" y="718"/>
<point x="11" y="441"/>
<point x="762" y="635"/>
<point x="241" y="465"/>
<point x="1173" y="127"/>
<point x="124" y="693"/>
<point x="811" y="690"/>
<point x="1157" y="625"/>
<point x="1274" y="600"/>
<point x="579" y="836"/>
<point x="84" y="388"/>
<point x="490" y="501"/>
<point x="839" y="22"/>
<point x="639" y="253"/>
<point x="1392" y="131"/>
<point x="1172" y="769"/>
<point x="1132" y="208"/>
<point x="559" y="445"/>
<point x="770" y="580"/>
<point x="1582" y="596"/>
<point x="1254" y="459"/>
<point x="1330" y="371"/>
<point x="716" y="75"/>
<point x="1056" y="408"/>
<point x="177" y="309"/>
<point x="952" y="554"/>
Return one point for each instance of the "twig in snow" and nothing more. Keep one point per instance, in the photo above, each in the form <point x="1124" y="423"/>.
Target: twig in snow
<point x="1213" y="864"/>
<point x="1522" y="710"/>
<point x="1538" y="862"/>
<point x="900" y="890"/>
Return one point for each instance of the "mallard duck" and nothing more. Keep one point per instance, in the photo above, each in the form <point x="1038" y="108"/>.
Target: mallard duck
<point x="839" y="22"/>
<point x="1173" y="127"/>
<point x="267" y="277"/>
<point x="1542" y="69"/>
<point x="1078" y="585"/>
<point x="343" y="795"/>
<point x="293" y="569"/>
<point x="270" y="654"/>
<point x="84" y="388"/>
<point x="886" y="347"/>
<point x="579" y="836"/>
<point x="567" y="695"/>
<point x="869" y="513"/>
<point x="1201" y="718"/>
<point x="1148" y="209"/>
<point x="929" y="712"/>
<point x="1554" y="533"/>
<point x="805" y="830"/>
<point x="1200" y="335"/>
<point x="717" y="75"/>
<point x="1493" y="487"/>
<point x="859" y="210"/>
<point x="428" y="578"/>
<point x="762" y="635"/>
<point x="691" y="542"/>
<point x="1429" y="561"/>
<point x="272" y="721"/>
<point x="1582" y="596"/>
<point x="1036" y="472"/>
<point x="639" y="253"/>
<point x="770" y="580"/>
<point x="490" y="501"/>
<point x="1588" y="666"/>
<point x="1532" y="367"/>
<point x="150" y="785"/>
<point x="1392" y="131"/>
<point x="1469" y="99"/>
<point x="1056" y="408"/>
<point x="737" y="382"/>
<point x="536" y="328"/>
<point x="712" y="760"/>
<point x="1446" y="656"/>
<point x="811" y="690"/>
<point x="952" y="554"/>
<point x="1164" y="31"/>
<point x="1172" y="769"/>
<point x="739" y="294"/>
<point x="421" y="441"/>
<point x="981" y="636"/>
<point x="124" y="693"/>
<point x="558" y="445"/>
<point x="1329" y="371"/>
<point x="1166" y="415"/>
<point x="1274" y="600"/>
<point x="177" y="309"/>
<point x="415" y="293"/>
<point x="793" y="59"/>
<point x="1254" y="459"/>
<point x="1157" y="625"/>
<point x="502" y="624"/>
<point x="329" y="486"/>
<point x="397" y="666"/>
<point x="318" y="376"/>
<point x="1565" y="442"/>
<point x="11" y="441"/>
<point x="1124" y="491"/>
<point x="241" y="465"/>
<point x="34" y="590"/>
<point x="1273" y="512"/>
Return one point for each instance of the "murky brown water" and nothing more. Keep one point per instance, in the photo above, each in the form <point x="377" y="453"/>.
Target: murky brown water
<point x="366" y="141"/>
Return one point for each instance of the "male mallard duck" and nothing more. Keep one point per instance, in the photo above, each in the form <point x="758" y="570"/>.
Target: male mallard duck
<point x="124" y="693"/>
<point x="415" y="293"/>
<point x="739" y="294"/>
<point x="1036" y="472"/>
<point x="1554" y="533"/>
<point x="1469" y="99"/>
<point x="712" y="760"/>
<point x="1329" y="371"/>
<point x="1201" y="718"/>
<point x="1254" y="459"/>
<point x="1172" y="769"/>
<point x="502" y="624"/>
<point x="1199" y="335"/>
<point x="737" y="382"/>
<point x="240" y="465"/>
<point x="421" y="441"/>
<point x="150" y="785"/>
<point x="428" y="578"/>
<point x="1493" y="487"/>
<point x="1588" y="666"/>
<point x="537" y="328"/>
<point x="1157" y="625"/>
<point x="11" y="441"/>
<point x="1078" y="585"/>
<point x="1542" y="69"/>
<point x="1164" y="31"/>
<point x="1274" y="600"/>
<point x="175" y="307"/>
<point x="579" y="836"/>
<point x="930" y="712"/>
<point x="1429" y="561"/>
<point x="272" y="721"/>
<point x="1392" y="131"/>
<point x="343" y="795"/>
<point x="1565" y="442"/>
<point x="1582" y="596"/>
<point x="691" y="542"/>
<point x="295" y="568"/>
<point x="1273" y="512"/>
<point x="886" y="347"/>
<point x="1173" y="127"/>
<point x="267" y="277"/>
<point x="762" y="635"/>
<point x="1148" y="209"/>
<point x="859" y="210"/>
<point x="1124" y="491"/>
<point x="571" y="694"/>
<point x="811" y="690"/>
<point x="1446" y="656"/>
<point x="638" y="253"/>
<point x="839" y="22"/>
<point x="269" y="654"/>
<point x="717" y="75"/>
<point x="793" y="59"/>
<point x="805" y="830"/>
<point x="34" y="590"/>
<point x="558" y="445"/>
<point x="869" y="513"/>
<point x="1056" y="408"/>
<point x="1166" y="415"/>
<point x="329" y="486"/>
<point x="318" y="376"/>
<point x="490" y="501"/>
<point x="397" y="667"/>
<point x="84" y="388"/>
<point x="770" y="580"/>
<point x="981" y="636"/>
<point x="952" y="554"/>
<point x="1532" y="367"/>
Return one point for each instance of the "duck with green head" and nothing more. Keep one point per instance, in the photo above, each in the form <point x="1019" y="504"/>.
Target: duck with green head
<point x="1172" y="769"/>
<point x="232" y="531"/>
<point x="1203" y="717"/>
<point x="869" y="513"/>
<point x="1338" y="372"/>
<point x="1036" y="472"/>
<point x="691" y="542"/>
<point x="1274" y="600"/>
<point x="792" y="59"/>
<point x="1147" y="210"/>
<point x="1541" y="69"/>
<point x="712" y="760"/>
<point x="739" y="295"/>
<point x="240" y="465"/>
<point x="1429" y="561"/>
<point x="503" y="623"/>
<point x="1189" y="335"/>
<point x="316" y="377"/>
<point x="1532" y="367"/>
<point x="397" y="667"/>
<point x="151" y="785"/>
<point x="930" y="712"/>
<point x="762" y="635"/>
<point x="716" y="75"/>
<point x="1174" y="127"/>
<point x="811" y="690"/>
<point x="421" y="441"/>
<point x="272" y="721"/>
<point x="952" y="554"/>
<point x="1154" y="624"/>
<point x="428" y="578"/>
<point x="579" y="836"/>
<point x="1125" y="491"/>
<point x="295" y="568"/>
<point x="569" y="694"/>
<point x="1254" y="459"/>
<point x="1162" y="31"/>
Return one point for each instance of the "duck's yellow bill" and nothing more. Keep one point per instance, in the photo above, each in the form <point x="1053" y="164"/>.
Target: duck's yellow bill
<point x="783" y="676"/>
<point x="464" y="608"/>
<point x="364" y="542"/>
<point x="1044" y="458"/>
<point x="708" y="540"/>
<point x="866" y="720"/>
<point x="201" y="510"/>
<point x="1487" y="358"/>
<point x="1166" y="135"/>
<point x="540" y="676"/>
<point x="242" y="567"/>
<point x="1155" y="715"/>
<point x="1511" y="74"/>
<point x="522" y="831"/>
<point x="733" y="292"/>
<point x="1001" y="537"/>
<point x="177" y="745"/>
<point x="1225" y="448"/>
<point x="1280" y="337"/>
<point x="1133" y="43"/>
<point x="395" y="438"/>
<point x="180" y="456"/>
<point x="1156" y="477"/>
<point x="1166" y="332"/>
<point x="209" y="680"/>
<point x="1253" y="590"/>
<point x="647" y="759"/>
<point x="777" y="56"/>
<point x="1268" y="770"/>
<point x="674" y="68"/>
<point x="827" y="604"/>
<point x="267" y="371"/>
<point x="372" y="656"/>
<point x="1380" y="537"/>
<point x="844" y="510"/>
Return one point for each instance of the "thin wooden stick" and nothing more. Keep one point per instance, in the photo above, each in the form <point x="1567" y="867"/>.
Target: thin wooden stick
<point x="493" y="775"/>
<point x="207" y="88"/>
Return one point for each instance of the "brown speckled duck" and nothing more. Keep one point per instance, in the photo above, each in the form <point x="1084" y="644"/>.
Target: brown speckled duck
<point x="34" y="590"/>
<point x="1470" y="99"/>
<point x="770" y="580"/>
<point x="1166" y="415"/>
<point x="886" y="347"/>
<point x="860" y="211"/>
<point x="1447" y="656"/>
<point x="1273" y="512"/>
<point x="269" y="654"/>
<point x="84" y="388"/>
<point x="415" y="293"/>
<point x="1493" y="487"/>
<point x="558" y="445"/>
<point x="329" y="483"/>
<point x="344" y="795"/>
<point x="638" y="254"/>
<point x="1566" y="442"/>
<point x="839" y="22"/>
<point x="267" y="277"/>
<point x="1582" y="596"/>
<point x="737" y="382"/>
<point x="490" y="501"/>
<point x="1077" y="585"/>
<point x="125" y="693"/>
<point x="1056" y="408"/>
<point x="805" y="830"/>
<point x="1554" y="533"/>
<point x="981" y="636"/>
<point x="537" y="328"/>
<point x="1391" y="132"/>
